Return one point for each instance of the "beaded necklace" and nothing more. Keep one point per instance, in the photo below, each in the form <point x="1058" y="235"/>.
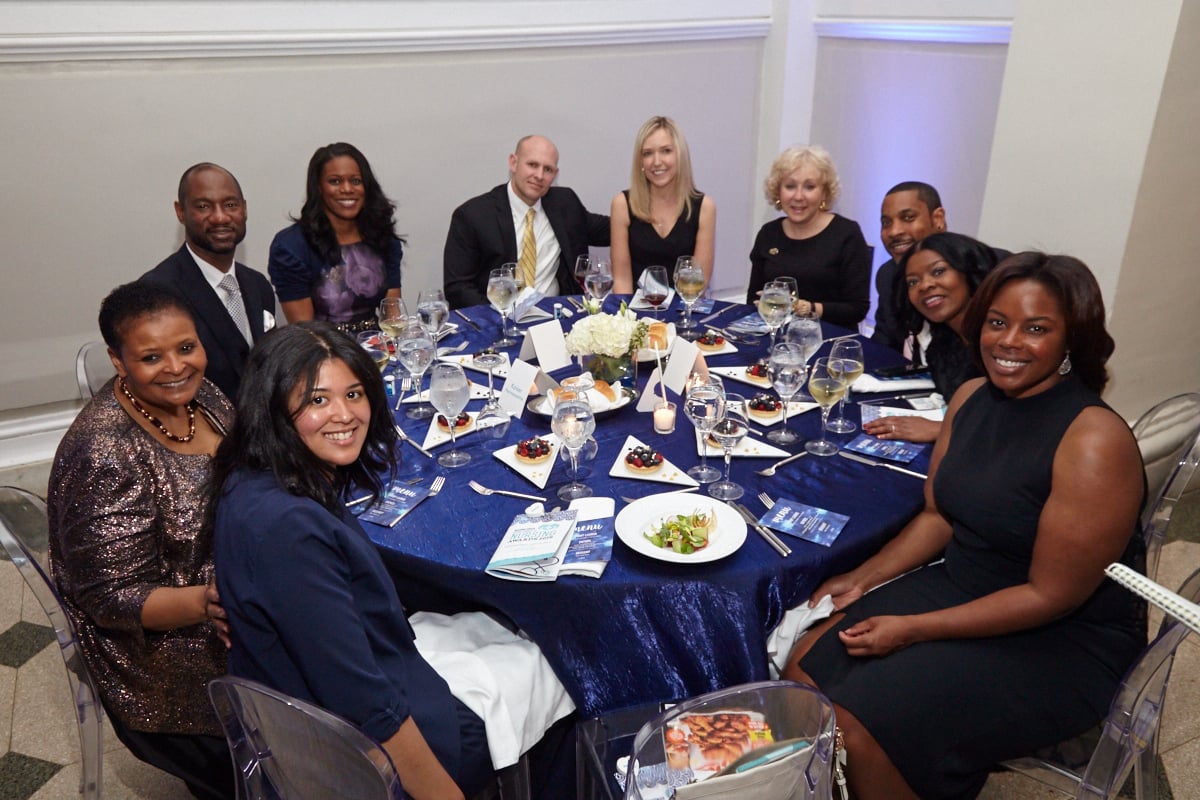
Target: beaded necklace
<point x="191" y="412"/>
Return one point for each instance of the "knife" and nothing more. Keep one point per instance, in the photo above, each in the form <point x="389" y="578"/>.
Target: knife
<point x="468" y="320"/>
<point x="771" y="538"/>
<point x="711" y="317"/>
<point x="873" y="463"/>
<point x="405" y="438"/>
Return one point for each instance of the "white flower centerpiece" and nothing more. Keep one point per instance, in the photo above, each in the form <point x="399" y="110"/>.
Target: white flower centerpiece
<point x="607" y="343"/>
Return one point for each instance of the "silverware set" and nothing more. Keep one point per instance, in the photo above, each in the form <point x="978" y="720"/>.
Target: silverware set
<point x="404" y="437"/>
<point x="767" y="534"/>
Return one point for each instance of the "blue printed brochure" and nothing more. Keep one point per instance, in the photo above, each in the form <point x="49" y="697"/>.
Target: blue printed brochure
<point x="751" y="323"/>
<point x="591" y="544"/>
<point x="533" y="546"/>
<point x="395" y="504"/>
<point x="890" y="449"/>
<point x="805" y="522"/>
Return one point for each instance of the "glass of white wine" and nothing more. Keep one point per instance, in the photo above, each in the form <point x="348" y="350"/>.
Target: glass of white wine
<point x="826" y="388"/>
<point x="449" y="391"/>
<point x="502" y="294"/>
<point x="393" y="318"/>
<point x="689" y="283"/>
<point x="774" y="306"/>
<point x="846" y="359"/>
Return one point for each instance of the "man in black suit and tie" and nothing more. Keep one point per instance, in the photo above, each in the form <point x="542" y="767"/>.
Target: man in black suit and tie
<point x="233" y="305"/>
<point x="526" y="221"/>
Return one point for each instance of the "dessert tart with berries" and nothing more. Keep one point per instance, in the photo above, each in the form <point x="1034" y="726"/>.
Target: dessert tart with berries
<point x="757" y="373"/>
<point x="643" y="459"/>
<point x="710" y="342"/>
<point x="764" y="406"/>
<point x="532" y="451"/>
<point x="462" y="423"/>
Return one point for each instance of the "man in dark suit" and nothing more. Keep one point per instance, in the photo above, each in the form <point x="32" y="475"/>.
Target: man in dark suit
<point x="911" y="211"/>
<point x="233" y="305"/>
<point x="495" y="228"/>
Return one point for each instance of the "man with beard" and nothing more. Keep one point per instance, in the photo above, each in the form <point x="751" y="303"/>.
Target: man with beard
<point x="233" y="305"/>
<point x="911" y="211"/>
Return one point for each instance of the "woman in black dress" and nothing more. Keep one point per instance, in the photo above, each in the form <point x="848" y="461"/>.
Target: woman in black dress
<point x="661" y="216"/>
<point x="825" y="252"/>
<point x="1015" y="641"/>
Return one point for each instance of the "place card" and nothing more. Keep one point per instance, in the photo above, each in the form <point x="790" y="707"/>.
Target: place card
<point x="889" y="449"/>
<point x="522" y="376"/>
<point x="803" y="521"/>
<point x="547" y="343"/>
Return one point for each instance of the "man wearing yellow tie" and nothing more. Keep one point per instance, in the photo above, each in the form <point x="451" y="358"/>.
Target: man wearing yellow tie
<point x="528" y="221"/>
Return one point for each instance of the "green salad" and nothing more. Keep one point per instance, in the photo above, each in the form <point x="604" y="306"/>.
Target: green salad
<point x="683" y="533"/>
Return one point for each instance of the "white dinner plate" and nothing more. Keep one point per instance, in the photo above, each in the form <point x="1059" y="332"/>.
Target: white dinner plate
<point x="640" y="515"/>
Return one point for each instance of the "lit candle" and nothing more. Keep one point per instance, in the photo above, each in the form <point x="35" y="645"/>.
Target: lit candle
<point x="664" y="418"/>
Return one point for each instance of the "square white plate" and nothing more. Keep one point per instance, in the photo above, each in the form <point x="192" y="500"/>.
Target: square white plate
<point x="537" y="474"/>
<point x="667" y="473"/>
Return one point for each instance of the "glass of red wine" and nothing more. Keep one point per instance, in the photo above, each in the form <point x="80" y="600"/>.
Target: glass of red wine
<point x="583" y="265"/>
<point x="655" y="287"/>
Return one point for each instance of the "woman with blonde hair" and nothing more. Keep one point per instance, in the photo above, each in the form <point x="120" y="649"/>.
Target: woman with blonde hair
<point x="825" y="252"/>
<point x="661" y="216"/>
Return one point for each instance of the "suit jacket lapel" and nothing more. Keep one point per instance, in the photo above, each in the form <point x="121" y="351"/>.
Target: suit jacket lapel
<point x="209" y="305"/>
<point x="504" y="224"/>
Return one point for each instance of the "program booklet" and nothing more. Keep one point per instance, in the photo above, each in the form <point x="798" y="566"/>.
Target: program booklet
<point x="806" y="522"/>
<point x="395" y="504"/>
<point x="592" y="542"/>
<point x="533" y="546"/>
<point x="890" y="449"/>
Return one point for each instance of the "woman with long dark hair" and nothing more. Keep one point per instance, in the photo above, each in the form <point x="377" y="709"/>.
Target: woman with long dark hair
<point x="342" y="256"/>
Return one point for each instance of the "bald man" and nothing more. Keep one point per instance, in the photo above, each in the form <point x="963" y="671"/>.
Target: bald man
<point x="491" y="229"/>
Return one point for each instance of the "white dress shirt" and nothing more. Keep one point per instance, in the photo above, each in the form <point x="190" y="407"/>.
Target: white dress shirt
<point x="548" y="251"/>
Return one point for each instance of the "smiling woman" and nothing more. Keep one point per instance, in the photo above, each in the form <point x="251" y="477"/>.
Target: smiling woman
<point x="342" y="256"/>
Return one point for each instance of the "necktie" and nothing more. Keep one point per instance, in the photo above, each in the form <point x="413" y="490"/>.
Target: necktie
<point x="234" y="305"/>
<point x="527" y="265"/>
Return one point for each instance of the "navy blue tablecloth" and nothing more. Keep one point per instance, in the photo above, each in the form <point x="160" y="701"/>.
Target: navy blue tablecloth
<point x="648" y="630"/>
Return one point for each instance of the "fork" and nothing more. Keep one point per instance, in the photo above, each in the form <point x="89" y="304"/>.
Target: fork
<point x="767" y="472"/>
<point x="437" y="485"/>
<point x="481" y="489"/>
<point x="449" y="351"/>
<point x="766" y="500"/>
<point x="405" y="388"/>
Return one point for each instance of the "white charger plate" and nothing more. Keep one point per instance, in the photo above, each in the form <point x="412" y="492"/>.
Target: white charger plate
<point x="640" y="515"/>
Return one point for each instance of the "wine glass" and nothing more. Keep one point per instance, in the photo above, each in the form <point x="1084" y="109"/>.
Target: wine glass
<point x="449" y="391"/>
<point x="433" y="311"/>
<point x="846" y="358"/>
<point x="502" y="293"/>
<point x="393" y="317"/>
<point x="689" y="283"/>
<point x="728" y="432"/>
<point x="826" y="388"/>
<point x="416" y="350"/>
<point x="789" y="283"/>
<point x="704" y="404"/>
<point x="583" y="265"/>
<point x="511" y="331"/>
<point x="805" y="330"/>
<point x="489" y="359"/>
<point x="774" y="306"/>
<point x="598" y="282"/>
<point x="785" y="368"/>
<point x="655" y="287"/>
<point x="573" y="422"/>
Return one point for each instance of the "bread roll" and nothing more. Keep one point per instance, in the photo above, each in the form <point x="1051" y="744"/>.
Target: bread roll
<point x="656" y="337"/>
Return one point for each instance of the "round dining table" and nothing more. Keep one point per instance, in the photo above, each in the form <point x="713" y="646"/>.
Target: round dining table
<point x="647" y="630"/>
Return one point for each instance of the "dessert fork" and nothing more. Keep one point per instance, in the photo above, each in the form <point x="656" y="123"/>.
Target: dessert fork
<point x="481" y="489"/>
<point x="767" y="472"/>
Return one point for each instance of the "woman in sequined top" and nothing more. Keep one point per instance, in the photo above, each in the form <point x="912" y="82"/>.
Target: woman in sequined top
<point x="342" y="256"/>
<point x="128" y="547"/>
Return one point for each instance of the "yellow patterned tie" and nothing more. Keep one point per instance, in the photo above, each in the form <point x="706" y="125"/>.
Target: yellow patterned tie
<point x="527" y="266"/>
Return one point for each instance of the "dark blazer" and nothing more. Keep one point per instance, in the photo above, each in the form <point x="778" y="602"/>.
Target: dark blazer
<point x="223" y="342"/>
<point x="482" y="237"/>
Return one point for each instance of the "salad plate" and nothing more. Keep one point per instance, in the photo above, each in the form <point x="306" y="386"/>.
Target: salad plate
<point x="648" y="513"/>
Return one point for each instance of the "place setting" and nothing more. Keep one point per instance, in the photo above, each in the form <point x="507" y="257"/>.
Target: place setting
<point x="532" y="458"/>
<point x="681" y="528"/>
<point x="639" y="461"/>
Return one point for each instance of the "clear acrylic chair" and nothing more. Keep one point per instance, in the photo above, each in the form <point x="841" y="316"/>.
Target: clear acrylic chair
<point x="288" y="749"/>
<point x="93" y="368"/>
<point x="1128" y="740"/>
<point x="686" y="740"/>
<point x="23" y="534"/>
<point x="1169" y="437"/>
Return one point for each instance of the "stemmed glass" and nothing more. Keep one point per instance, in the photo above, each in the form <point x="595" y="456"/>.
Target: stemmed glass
<point x="704" y="404"/>
<point x="416" y="350"/>
<point x="598" y="282"/>
<point x="489" y="360"/>
<point x="433" y="311"/>
<point x="689" y="283"/>
<point x="728" y="432"/>
<point x="655" y="287"/>
<point x="805" y="331"/>
<point x="583" y="265"/>
<point x="511" y="330"/>
<point x="785" y="368"/>
<point x="826" y="388"/>
<point x="502" y="293"/>
<point x="393" y="318"/>
<point x="789" y="283"/>
<point x="846" y="358"/>
<point x="449" y="391"/>
<point x="774" y="306"/>
<point x="573" y="422"/>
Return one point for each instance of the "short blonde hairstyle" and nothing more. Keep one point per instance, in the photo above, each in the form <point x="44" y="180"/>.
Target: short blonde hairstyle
<point x="639" y="187"/>
<point x="791" y="160"/>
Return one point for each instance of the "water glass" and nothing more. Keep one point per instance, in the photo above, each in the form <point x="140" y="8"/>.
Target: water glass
<point x="449" y="391"/>
<point x="415" y="350"/>
<point x="728" y="433"/>
<point x="704" y="405"/>
<point x="786" y="369"/>
<point x="433" y="311"/>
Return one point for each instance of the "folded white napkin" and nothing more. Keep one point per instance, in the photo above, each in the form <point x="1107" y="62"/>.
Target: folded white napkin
<point x="793" y="625"/>
<point x="500" y="676"/>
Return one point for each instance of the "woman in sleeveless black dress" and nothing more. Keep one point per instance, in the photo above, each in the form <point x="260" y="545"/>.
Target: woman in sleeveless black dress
<point x="661" y="216"/>
<point x="1016" y="641"/>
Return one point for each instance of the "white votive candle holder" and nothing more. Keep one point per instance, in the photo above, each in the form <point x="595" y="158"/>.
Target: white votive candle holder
<point x="664" y="417"/>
